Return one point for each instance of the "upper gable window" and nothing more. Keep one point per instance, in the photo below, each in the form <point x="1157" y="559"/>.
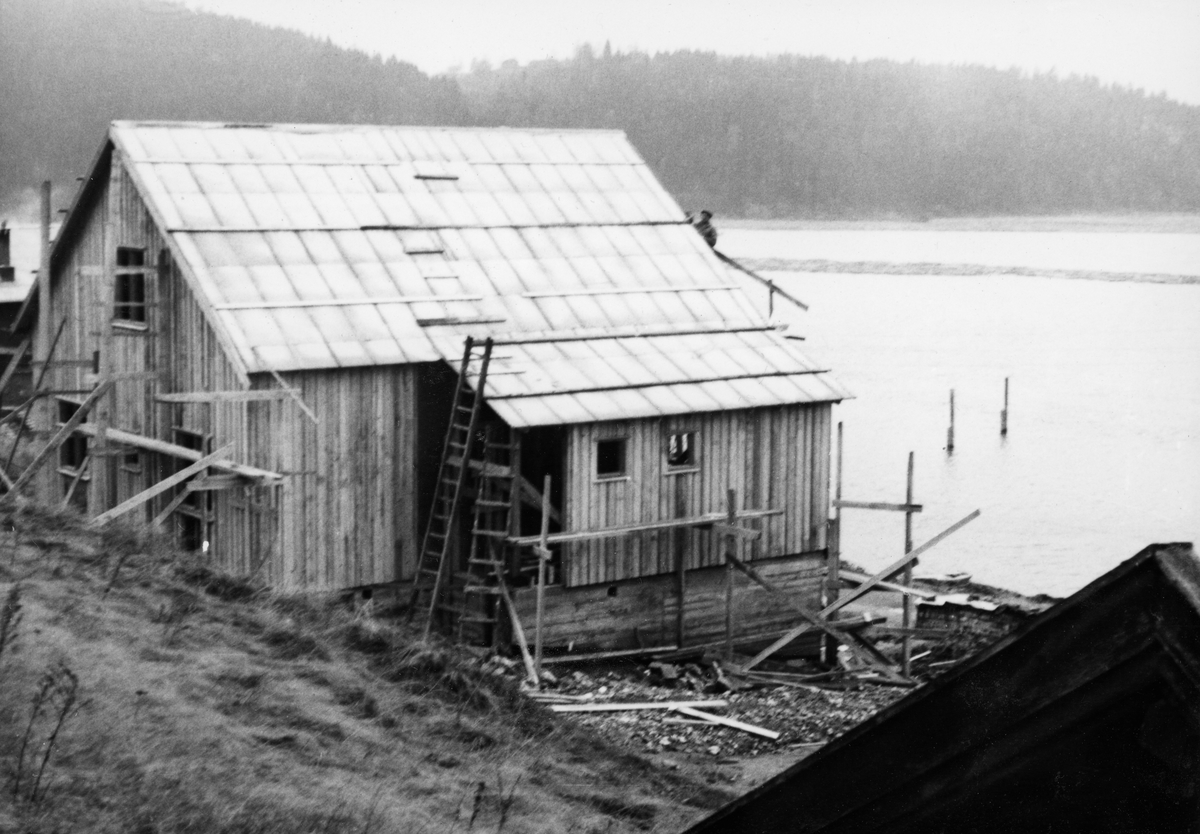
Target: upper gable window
<point x="129" y="292"/>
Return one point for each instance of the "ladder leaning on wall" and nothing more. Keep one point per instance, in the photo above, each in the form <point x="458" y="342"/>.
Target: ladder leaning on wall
<point x="439" y="540"/>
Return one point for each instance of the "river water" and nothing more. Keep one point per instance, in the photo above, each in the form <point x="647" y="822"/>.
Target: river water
<point x="1102" y="455"/>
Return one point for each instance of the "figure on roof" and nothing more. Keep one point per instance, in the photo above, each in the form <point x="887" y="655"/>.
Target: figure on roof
<point x="704" y="226"/>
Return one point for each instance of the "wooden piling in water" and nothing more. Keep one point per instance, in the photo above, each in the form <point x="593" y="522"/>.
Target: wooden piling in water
<point x="950" y="432"/>
<point x="1004" y="413"/>
<point x="909" y="605"/>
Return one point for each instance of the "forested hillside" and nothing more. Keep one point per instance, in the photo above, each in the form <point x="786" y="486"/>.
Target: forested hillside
<point x="762" y="137"/>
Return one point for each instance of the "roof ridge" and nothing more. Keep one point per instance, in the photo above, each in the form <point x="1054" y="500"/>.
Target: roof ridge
<point x="330" y="127"/>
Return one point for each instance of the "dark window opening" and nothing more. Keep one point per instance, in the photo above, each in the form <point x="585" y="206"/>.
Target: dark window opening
<point x="129" y="292"/>
<point x="192" y="532"/>
<point x="74" y="450"/>
<point x="681" y="449"/>
<point x="131" y="461"/>
<point x="610" y="458"/>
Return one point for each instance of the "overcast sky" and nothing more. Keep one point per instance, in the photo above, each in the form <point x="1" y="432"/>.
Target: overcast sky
<point x="1151" y="44"/>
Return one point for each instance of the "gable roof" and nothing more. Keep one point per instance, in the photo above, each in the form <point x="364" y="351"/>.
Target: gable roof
<point x="1087" y="718"/>
<point x="323" y="246"/>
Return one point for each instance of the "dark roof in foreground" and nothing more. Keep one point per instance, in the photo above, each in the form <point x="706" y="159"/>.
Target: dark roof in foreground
<point x="1085" y="719"/>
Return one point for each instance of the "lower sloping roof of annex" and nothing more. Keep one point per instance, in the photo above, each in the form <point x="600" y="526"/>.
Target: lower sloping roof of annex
<point x="549" y="382"/>
<point x="332" y="246"/>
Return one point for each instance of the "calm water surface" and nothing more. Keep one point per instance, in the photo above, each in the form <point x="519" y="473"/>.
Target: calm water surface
<point x="1103" y="451"/>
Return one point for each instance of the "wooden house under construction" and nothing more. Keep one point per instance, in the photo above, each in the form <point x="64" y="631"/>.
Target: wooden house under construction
<point x="270" y="323"/>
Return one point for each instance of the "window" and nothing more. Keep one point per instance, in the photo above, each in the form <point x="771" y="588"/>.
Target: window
<point x="681" y="450"/>
<point x="131" y="461"/>
<point x="129" y="299"/>
<point x="74" y="450"/>
<point x="610" y="458"/>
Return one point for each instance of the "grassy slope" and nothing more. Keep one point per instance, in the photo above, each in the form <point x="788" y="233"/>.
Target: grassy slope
<point x="207" y="707"/>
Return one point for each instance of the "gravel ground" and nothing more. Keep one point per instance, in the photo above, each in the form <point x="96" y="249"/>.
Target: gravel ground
<point x="805" y="718"/>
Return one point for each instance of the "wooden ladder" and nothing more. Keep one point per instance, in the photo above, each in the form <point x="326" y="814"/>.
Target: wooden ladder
<point x="451" y="481"/>
<point x="493" y="511"/>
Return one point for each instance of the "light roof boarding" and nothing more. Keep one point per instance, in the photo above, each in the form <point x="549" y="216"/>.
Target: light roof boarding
<point x="346" y="246"/>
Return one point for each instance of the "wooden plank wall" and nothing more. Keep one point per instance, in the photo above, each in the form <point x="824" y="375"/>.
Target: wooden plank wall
<point x="775" y="458"/>
<point x="345" y="515"/>
<point x="348" y="504"/>
<point x="629" y="614"/>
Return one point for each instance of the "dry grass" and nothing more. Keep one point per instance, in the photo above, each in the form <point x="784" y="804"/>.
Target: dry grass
<point x="204" y="704"/>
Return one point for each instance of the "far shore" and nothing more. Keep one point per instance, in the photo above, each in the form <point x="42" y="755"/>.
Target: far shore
<point x="1166" y="223"/>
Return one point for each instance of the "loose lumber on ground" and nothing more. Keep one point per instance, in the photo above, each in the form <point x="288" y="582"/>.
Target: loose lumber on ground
<point x="728" y="722"/>
<point x="639" y="705"/>
<point x="589" y="656"/>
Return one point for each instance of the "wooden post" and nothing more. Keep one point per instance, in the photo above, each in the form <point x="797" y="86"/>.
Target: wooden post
<point x="905" y="644"/>
<point x="730" y="546"/>
<point x="770" y="298"/>
<point x="46" y="416"/>
<point x="680" y="562"/>
<point x="1004" y="413"/>
<point x="950" y="432"/>
<point x="833" y="578"/>
<point x="543" y="554"/>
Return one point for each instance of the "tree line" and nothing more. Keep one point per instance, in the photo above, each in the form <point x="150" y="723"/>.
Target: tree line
<point x="777" y="137"/>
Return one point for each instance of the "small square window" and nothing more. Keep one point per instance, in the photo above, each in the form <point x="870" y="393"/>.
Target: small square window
<point x="131" y="461"/>
<point x="610" y="458"/>
<point x="681" y="450"/>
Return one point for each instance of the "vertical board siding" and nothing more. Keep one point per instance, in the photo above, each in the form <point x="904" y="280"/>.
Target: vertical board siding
<point x="347" y="502"/>
<point x="348" y="499"/>
<point x="774" y="458"/>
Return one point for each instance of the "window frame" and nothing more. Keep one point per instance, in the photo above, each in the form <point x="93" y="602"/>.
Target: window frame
<point x="693" y="465"/>
<point x="129" y="291"/>
<point x="623" y="474"/>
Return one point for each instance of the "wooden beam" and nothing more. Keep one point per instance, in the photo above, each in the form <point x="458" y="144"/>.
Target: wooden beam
<point x="122" y="376"/>
<point x="543" y="555"/>
<point x="896" y="566"/>
<point x="589" y="657"/>
<point x="150" y="444"/>
<point x="878" y="505"/>
<point x="616" y="706"/>
<point x="295" y="395"/>
<point x="634" y="386"/>
<point x="87" y="461"/>
<point x="728" y="722"/>
<point x="518" y="631"/>
<point x="614" y="532"/>
<point x="862" y="589"/>
<point x="61" y="435"/>
<point x="867" y="653"/>
<point x="854" y="578"/>
<point x="531" y="496"/>
<point x="175" y="504"/>
<point x="249" y="396"/>
<point x="765" y="281"/>
<point x="723" y="529"/>
<point x="627" y="290"/>
<point x="346" y="302"/>
<point x="214" y="482"/>
<point x="18" y="355"/>
<point x="161" y="487"/>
